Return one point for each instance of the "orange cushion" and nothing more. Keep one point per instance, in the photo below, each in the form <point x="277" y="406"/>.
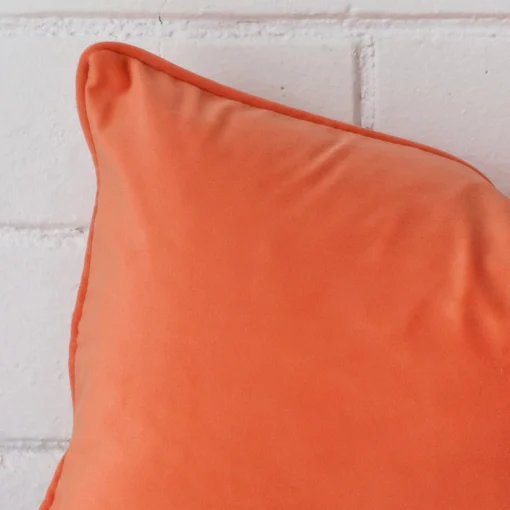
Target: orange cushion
<point x="279" y="311"/>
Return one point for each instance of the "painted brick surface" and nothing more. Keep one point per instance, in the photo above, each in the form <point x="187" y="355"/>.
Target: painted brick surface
<point x="252" y="7"/>
<point x="190" y="7"/>
<point x="40" y="275"/>
<point x="108" y="7"/>
<point x="459" y="7"/>
<point x="447" y="92"/>
<point x="285" y="7"/>
<point x="24" y="476"/>
<point x="311" y="75"/>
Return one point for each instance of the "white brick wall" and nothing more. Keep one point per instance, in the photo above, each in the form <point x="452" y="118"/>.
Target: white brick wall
<point x="434" y="71"/>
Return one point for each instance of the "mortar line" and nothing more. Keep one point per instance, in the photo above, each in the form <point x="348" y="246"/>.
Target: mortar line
<point x="43" y="229"/>
<point x="45" y="236"/>
<point x="124" y="28"/>
<point x="367" y="82"/>
<point x="356" y="81"/>
<point x="161" y="13"/>
<point x="30" y="445"/>
<point x="346" y="14"/>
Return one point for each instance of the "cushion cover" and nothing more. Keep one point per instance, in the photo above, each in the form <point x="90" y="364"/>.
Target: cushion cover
<point x="279" y="311"/>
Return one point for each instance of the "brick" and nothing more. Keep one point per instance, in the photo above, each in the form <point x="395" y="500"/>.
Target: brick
<point x="254" y="7"/>
<point x="306" y="74"/>
<point x="47" y="174"/>
<point x="86" y="7"/>
<point x="40" y="277"/>
<point x="24" y="477"/>
<point x="431" y="7"/>
<point x="449" y="93"/>
<point x="309" y="7"/>
<point x="251" y="8"/>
